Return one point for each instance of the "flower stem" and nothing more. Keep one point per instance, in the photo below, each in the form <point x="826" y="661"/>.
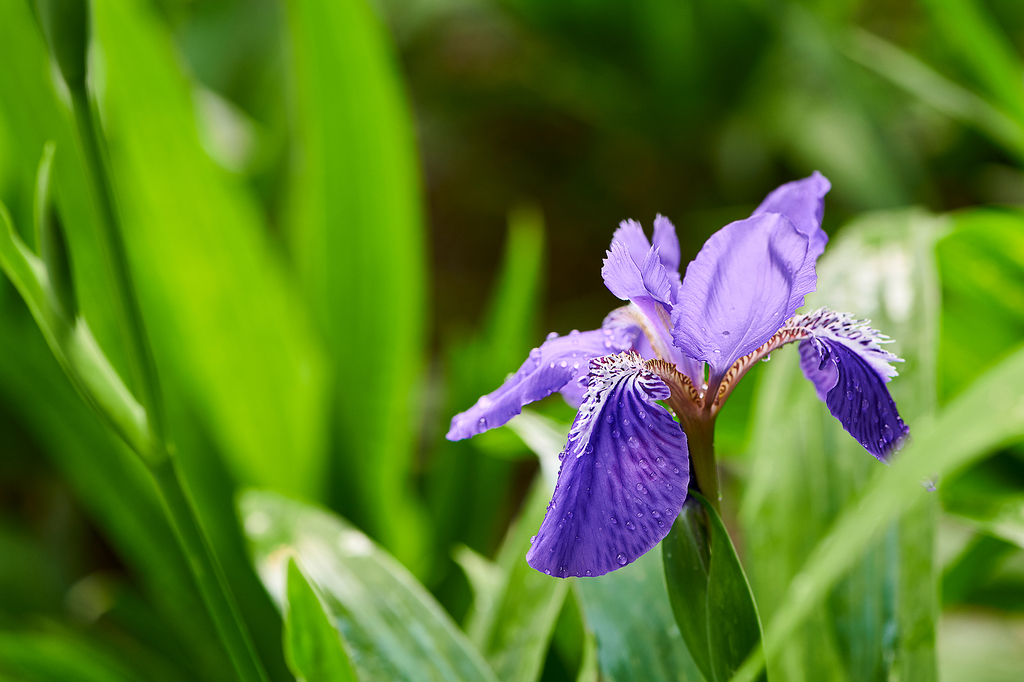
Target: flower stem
<point x="700" y="438"/>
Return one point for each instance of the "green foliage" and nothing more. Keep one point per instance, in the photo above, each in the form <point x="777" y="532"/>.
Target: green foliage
<point x="395" y="628"/>
<point x="708" y="590"/>
<point x="238" y="185"/>
<point x="315" y="650"/>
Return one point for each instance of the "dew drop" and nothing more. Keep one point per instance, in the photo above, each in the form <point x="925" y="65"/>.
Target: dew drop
<point x="639" y="487"/>
<point x="547" y="571"/>
<point x="563" y="364"/>
<point x="668" y="486"/>
<point x="588" y="449"/>
<point x="588" y="572"/>
<point x="615" y="433"/>
<point x="656" y="514"/>
<point x="849" y="395"/>
<point x="625" y="421"/>
<point x="629" y="525"/>
<point x="551" y="366"/>
<point x="610" y="419"/>
<point x="621" y="559"/>
<point x="864" y="405"/>
<point x="575" y="365"/>
<point x="642" y="414"/>
<point x="615" y="521"/>
<point x="634" y="443"/>
<point x="717" y="351"/>
<point x="532" y="539"/>
<point x="660" y="461"/>
<point x="482" y="423"/>
<point x="675" y="470"/>
<point x="552" y="336"/>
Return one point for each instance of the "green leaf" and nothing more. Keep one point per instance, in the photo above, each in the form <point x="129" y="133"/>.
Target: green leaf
<point x="72" y="342"/>
<point x="708" y="590"/>
<point x="227" y="327"/>
<point x="637" y="637"/>
<point x="55" y="658"/>
<point x="805" y="467"/>
<point x="315" y="650"/>
<point x="395" y="628"/>
<point x="477" y="366"/>
<point x="989" y="414"/>
<point x="980" y="44"/>
<point x="357" y="237"/>
<point x="515" y="607"/>
<point x="982" y="266"/>
<point x="945" y="96"/>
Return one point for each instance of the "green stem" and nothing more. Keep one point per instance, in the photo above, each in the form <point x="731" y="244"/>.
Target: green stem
<point x="142" y="369"/>
<point x="700" y="438"/>
<point x="206" y="570"/>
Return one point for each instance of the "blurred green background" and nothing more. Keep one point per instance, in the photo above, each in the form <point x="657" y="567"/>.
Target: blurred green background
<point x="346" y="221"/>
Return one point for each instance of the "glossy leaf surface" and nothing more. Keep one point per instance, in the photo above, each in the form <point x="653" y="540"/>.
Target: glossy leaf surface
<point x="395" y="628"/>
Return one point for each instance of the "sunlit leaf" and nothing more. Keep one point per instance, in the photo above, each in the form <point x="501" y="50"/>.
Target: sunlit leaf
<point x="222" y="316"/>
<point x="357" y="237"/>
<point x="315" y="649"/>
<point x="395" y="628"/>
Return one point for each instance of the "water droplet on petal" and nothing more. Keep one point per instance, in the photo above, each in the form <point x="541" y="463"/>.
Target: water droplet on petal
<point x="864" y="405"/>
<point x="551" y="366"/>
<point x="615" y="521"/>
<point x="849" y="395"/>
<point x="552" y="336"/>
<point x="547" y="571"/>
<point x="656" y="514"/>
<point x="615" y="433"/>
<point x="588" y="449"/>
<point x="629" y="525"/>
<point x="625" y="421"/>
<point x="634" y="443"/>
<point x="675" y="469"/>
<point x="532" y="539"/>
<point x="641" y="414"/>
<point x="610" y="419"/>
<point x="482" y="423"/>
<point x="588" y="572"/>
<point x="725" y="333"/>
<point x="621" y="559"/>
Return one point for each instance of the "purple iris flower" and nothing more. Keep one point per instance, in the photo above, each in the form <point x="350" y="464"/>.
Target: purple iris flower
<point x="685" y="342"/>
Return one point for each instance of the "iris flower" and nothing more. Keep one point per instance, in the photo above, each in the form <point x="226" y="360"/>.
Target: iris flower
<point x="685" y="342"/>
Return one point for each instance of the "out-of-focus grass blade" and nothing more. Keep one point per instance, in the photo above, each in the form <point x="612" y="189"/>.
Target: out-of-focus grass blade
<point x="708" y="590"/>
<point x="637" y="637"/>
<point x="477" y="366"/>
<point x="112" y="484"/>
<point x="395" y="628"/>
<point x="972" y="568"/>
<point x="55" y="658"/>
<point x="805" y="467"/>
<point x="357" y="236"/>
<point x="989" y="499"/>
<point x="982" y="266"/>
<point x="951" y="99"/>
<point x="983" y="48"/>
<point x="315" y="650"/>
<point x="987" y="415"/>
<point x="222" y="316"/>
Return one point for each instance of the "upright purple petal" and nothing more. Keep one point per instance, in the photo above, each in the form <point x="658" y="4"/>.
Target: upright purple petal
<point x="631" y="235"/>
<point x="623" y="478"/>
<point x="739" y="290"/>
<point x="667" y="242"/>
<point x="803" y="202"/>
<point x="557" y="362"/>
<point x="849" y="370"/>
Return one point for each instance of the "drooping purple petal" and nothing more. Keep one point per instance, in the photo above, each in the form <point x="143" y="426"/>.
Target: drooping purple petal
<point x="803" y="202"/>
<point x="623" y="477"/>
<point x="558" y="361"/>
<point x="849" y="370"/>
<point x="739" y="290"/>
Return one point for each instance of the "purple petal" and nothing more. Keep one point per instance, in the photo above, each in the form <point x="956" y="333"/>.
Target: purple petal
<point x="623" y="477"/>
<point x="859" y="398"/>
<point x="739" y="290"/>
<point x="667" y="242"/>
<point x="849" y="370"/>
<point x="803" y="202"/>
<point x="550" y="368"/>
<point x="631" y="235"/>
